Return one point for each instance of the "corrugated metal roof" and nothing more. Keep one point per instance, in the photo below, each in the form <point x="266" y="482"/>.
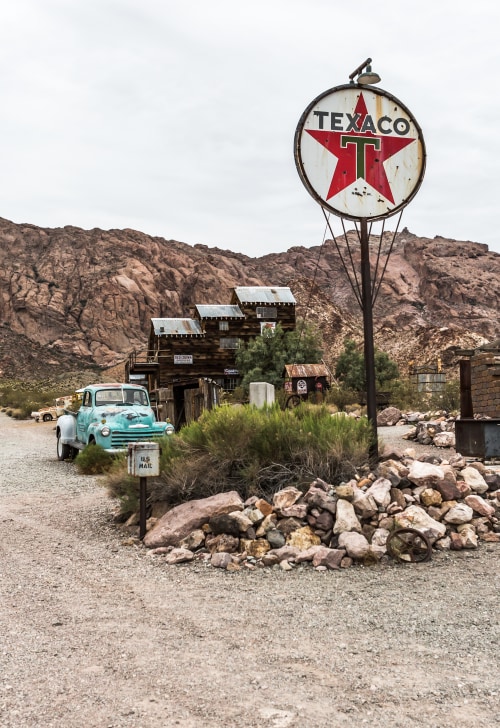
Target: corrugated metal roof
<point x="176" y="326"/>
<point x="219" y="311"/>
<point x="302" y="371"/>
<point x="264" y="294"/>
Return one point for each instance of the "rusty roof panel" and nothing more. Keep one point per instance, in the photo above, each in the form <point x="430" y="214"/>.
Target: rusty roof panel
<point x="264" y="294"/>
<point x="302" y="371"/>
<point x="221" y="311"/>
<point x="176" y="327"/>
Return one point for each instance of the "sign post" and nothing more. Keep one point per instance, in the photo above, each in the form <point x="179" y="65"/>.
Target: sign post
<point x="143" y="462"/>
<point x="361" y="155"/>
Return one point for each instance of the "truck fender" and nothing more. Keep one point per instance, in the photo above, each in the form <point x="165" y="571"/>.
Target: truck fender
<point x="66" y="426"/>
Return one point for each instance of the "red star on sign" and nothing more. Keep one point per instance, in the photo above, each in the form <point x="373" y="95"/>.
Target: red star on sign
<point x="360" y="155"/>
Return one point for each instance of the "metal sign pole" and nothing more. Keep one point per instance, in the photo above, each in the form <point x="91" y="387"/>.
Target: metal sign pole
<point x="143" y="461"/>
<point x="361" y="155"/>
<point x="143" y="496"/>
<point x="369" y="349"/>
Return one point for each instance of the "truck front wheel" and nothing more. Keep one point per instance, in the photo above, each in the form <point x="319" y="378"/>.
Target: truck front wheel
<point x="63" y="450"/>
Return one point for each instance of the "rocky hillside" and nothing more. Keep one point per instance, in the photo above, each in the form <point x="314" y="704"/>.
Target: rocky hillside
<point x="75" y="299"/>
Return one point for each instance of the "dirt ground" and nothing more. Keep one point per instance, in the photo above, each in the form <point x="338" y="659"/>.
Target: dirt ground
<point x="96" y="632"/>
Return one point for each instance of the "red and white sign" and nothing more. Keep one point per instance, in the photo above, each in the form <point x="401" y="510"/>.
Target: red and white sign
<point x="301" y="386"/>
<point x="359" y="152"/>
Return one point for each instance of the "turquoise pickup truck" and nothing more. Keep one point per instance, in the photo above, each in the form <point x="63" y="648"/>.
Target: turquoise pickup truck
<point x="110" y="415"/>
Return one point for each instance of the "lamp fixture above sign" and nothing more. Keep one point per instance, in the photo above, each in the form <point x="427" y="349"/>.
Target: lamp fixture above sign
<point x="366" y="78"/>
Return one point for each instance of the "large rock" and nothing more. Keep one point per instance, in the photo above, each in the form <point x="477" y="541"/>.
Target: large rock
<point x="388" y="417"/>
<point x="179" y="556"/>
<point x="255" y="547"/>
<point x="177" y="523"/>
<point x="393" y="470"/>
<point x="298" y="510"/>
<point x="474" y="480"/>
<point x="416" y="517"/>
<point x="431" y="497"/>
<point x="379" y="541"/>
<point x="438" y="477"/>
<point x="479" y="505"/>
<point x="461" y="513"/>
<point x="331" y="558"/>
<point x="221" y="559"/>
<point x="242" y="521"/>
<point x="276" y="538"/>
<point x="364" y="505"/>
<point x="468" y="535"/>
<point x="309" y="554"/>
<point x="346" y="519"/>
<point x="303" y="538"/>
<point x="380" y="491"/>
<point x="222" y="543"/>
<point x="318" y="498"/>
<point x="444" y="439"/>
<point x="355" y="544"/>
<point x="286" y="498"/>
<point x="276" y="556"/>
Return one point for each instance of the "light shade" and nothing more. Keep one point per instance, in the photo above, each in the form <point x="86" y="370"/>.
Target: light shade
<point x="368" y="77"/>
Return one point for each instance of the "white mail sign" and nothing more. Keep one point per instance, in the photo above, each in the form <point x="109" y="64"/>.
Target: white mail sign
<point x="144" y="459"/>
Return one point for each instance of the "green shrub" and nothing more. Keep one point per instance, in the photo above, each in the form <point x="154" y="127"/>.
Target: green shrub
<point x="341" y="397"/>
<point x="254" y="451"/>
<point x="94" y="460"/>
<point x="25" y="399"/>
<point x="123" y="486"/>
<point x="448" y="399"/>
<point x="405" y="395"/>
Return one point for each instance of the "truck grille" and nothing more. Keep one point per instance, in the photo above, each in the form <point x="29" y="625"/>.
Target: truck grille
<point x="121" y="438"/>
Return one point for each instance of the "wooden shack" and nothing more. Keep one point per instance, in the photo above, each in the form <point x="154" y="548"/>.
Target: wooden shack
<point x="205" y="346"/>
<point x="306" y="379"/>
<point x="264" y="307"/>
<point x="184" y="401"/>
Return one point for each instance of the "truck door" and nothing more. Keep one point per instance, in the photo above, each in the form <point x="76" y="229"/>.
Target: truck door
<point x="83" y="417"/>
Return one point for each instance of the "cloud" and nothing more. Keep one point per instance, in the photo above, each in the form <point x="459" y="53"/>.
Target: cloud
<point x="178" y="118"/>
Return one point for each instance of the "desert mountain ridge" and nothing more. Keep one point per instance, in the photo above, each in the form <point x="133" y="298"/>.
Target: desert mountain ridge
<point x="75" y="299"/>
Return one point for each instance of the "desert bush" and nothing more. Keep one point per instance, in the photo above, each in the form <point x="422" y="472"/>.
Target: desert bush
<point x="24" y="400"/>
<point x="94" y="460"/>
<point x="122" y="486"/>
<point x="255" y="452"/>
<point x="448" y="399"/>
<point x="405" y="395"/>
<point x="341" y="397"/>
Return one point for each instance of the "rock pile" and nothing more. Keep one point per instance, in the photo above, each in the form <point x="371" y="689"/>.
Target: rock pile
<point x="454" y="504"/>
<point x="429" y="428"/>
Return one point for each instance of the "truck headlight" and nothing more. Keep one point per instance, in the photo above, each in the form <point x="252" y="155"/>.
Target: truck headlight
<point x="105" y="431"/>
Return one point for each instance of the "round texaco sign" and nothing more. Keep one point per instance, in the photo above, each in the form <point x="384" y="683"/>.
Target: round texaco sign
<point x="359" y="152"/>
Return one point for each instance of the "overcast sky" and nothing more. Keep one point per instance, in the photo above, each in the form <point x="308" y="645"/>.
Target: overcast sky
<point x="177" y="118"/>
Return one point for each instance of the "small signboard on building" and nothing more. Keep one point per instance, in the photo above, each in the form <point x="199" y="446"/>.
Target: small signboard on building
<point x="183" y="358"/>
<point x="301" y="386"/>
<point x="267" y="326"/>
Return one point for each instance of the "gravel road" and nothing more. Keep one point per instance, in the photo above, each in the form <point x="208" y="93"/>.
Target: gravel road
<point x="98" y="633"/>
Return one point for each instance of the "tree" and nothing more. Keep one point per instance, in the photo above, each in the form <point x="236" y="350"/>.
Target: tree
<point x="263" y="359"/>
<point x="350" y="369"/>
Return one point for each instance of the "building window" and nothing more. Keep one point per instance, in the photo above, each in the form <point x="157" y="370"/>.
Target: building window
<point x="266" y="312"/>
<point x="229" y="342"/>
<point x="223" y="325"/>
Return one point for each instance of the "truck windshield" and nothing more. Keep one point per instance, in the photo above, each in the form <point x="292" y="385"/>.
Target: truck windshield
<point x="121" y="396"/>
